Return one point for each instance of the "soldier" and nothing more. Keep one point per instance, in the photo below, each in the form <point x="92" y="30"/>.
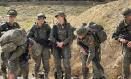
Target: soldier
<point x="62" y="36"/>
<point x="90" y="52"/>
<point x="123" y="34"/>
<point x="40" y="33"/>
<point x="10" y="24"/>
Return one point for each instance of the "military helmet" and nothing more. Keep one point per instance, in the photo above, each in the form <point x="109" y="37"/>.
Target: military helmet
<point x="12" y="12"/>
<point x="41" y="15"/>
<point x="60" y="13"/>
<point x="82" y="31"/>
<point x="126" y="12"/>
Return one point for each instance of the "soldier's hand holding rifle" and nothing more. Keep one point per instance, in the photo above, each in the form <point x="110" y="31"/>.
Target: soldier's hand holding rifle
<point x="125" y="41"/>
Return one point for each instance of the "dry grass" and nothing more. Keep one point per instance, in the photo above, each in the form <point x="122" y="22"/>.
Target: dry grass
<point x="107" y="15"/>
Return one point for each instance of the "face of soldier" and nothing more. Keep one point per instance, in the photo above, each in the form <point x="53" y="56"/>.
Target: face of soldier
<point x="60" y="19"/>
<point x="40" y="21"/>
<point x="128" y="18"/>
<point x="11" y="19"/>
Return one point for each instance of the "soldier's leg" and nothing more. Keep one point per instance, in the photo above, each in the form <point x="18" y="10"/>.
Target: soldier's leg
<point x="98" y="71"/>
<point x="3" y="70"/>
<point x="66" y="60"/>
<point x="57" y="60"/>
<point x="4" y="65"/>
<point x="37" y="66"/>
<point x="85" y="70"/>
<point x="24" y="69"/>
<point x="12" y="68"/>
<point x="45" y="61"/>
<point x="126" y="67"/>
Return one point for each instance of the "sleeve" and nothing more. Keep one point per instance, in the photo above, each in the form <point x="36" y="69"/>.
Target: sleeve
<point x="48" y="32"/>
<point x="2" y="28"/>
<point x="30" y="34"/>
<point x="70" y="37"/>
<point x="52" y="34"/>
<point x="91" y="49"/>
<point x="120" y="30"/>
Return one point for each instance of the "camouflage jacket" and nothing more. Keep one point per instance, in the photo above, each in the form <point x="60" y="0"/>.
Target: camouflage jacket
<point x="89" y="41"/>
<point x="61" y="33"/>
<point x="39" y="34"/>
<point x="6" y="26"/>
<point x="123" y="31"/>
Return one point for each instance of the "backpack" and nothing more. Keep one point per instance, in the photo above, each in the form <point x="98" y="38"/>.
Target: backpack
<point x="12" y="38"/>
<point x="97" y="31"/>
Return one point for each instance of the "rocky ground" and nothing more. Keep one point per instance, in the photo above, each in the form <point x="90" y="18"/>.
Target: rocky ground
<point x="106" y="14"/>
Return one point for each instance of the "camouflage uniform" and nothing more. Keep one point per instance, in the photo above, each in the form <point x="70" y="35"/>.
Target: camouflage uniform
<point x="62" y="35"/>
<point x="3" y="28"/>
<point x="41" y="35"/>
<point x="91" y="53"/>
<point x="124" y="31"/>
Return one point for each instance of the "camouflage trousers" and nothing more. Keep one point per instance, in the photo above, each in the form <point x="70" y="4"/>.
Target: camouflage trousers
<point x="126" y="62"/>
<point x="85" y="69"/>
<point x="23" y="69"/>
<point x="4" y="65"/>
<point x="98" y="71"/>
<point x="44" y="58"/>
<point x="64" y="54"/>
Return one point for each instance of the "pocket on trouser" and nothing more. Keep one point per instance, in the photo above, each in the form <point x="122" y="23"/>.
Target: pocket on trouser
<point x="36" y="50"/>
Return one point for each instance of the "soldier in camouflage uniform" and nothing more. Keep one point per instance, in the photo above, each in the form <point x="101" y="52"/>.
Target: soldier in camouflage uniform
<point x="40" y="32"/>
<point x="123" y="35"/>
<point x="10" y="24"/>
<point x="89" y="52"/>
<point x="62" y="36"/>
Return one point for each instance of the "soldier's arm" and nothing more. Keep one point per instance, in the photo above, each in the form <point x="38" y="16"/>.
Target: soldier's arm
<point x="119" y="31"/>
<point x="91" y="49"/>
<point x="2" y="28"/>
<point x="70" y="37"/>
<point x="52" y="33"/>
<point x="30" y="34"/>
<point x="17" y="53"/>
<point x="49" y="30"/>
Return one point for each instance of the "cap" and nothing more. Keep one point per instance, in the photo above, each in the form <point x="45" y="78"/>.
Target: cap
<point x="60" y="13"/>
<point x="12" y="12"/>
<point x="41" y="15"/>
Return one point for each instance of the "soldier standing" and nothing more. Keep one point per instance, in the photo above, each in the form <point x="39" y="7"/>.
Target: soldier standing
<point x="90" y="52"/>
<point x="62" y="36"/>
<point x="123" y="34"/>
<point x="40" y="32"/>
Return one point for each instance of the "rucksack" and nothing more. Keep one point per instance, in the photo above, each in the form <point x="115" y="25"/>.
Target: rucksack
<point x="97" y="31"/>
<point x="15" y="37"/>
